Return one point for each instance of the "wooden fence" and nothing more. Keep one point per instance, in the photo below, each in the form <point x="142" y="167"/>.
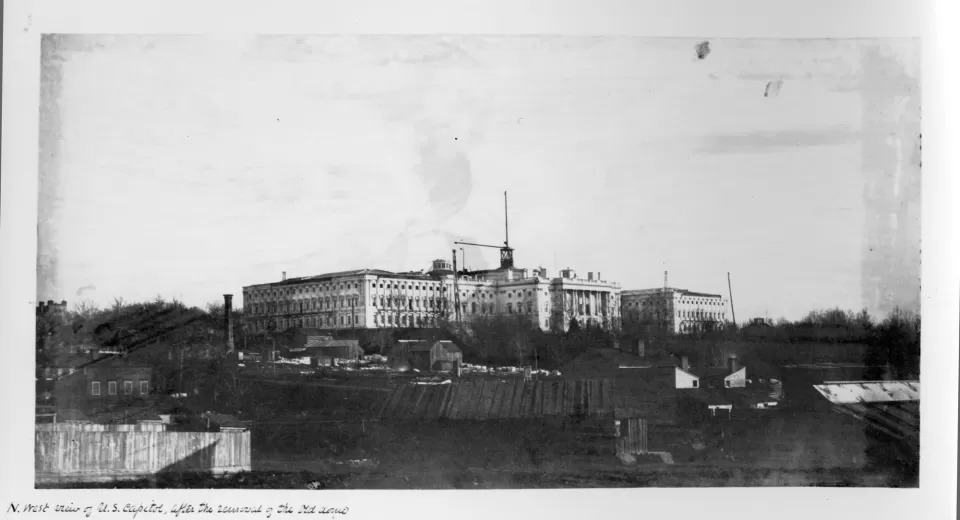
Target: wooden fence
<point x="94" y="427"/>
<point x="633" y="437"/>
<point x="492" y="399"/>
<point x="70" y="453"/>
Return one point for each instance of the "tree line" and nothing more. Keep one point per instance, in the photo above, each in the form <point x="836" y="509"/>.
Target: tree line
<point x="192" y="333"/>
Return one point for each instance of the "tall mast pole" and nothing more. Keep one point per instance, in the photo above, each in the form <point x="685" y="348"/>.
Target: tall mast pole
<point x="456" y="288"/>
<point x="506" y="221"/>
<point x="732" y="310"/>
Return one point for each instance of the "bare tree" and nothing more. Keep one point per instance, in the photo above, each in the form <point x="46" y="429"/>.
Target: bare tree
<point x="85" y="309"/>
<point x="118" y="305"/>
<point x="215" y="309"/>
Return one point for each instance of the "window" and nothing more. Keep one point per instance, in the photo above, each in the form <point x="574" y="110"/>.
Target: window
<point x="128" y="387"/>
<point x="95" y="388"/>
<point x="112" y="388"/>
<point x="726" y="383"/>
<point x="144" y="387"/>
<point x="696" y="384"/>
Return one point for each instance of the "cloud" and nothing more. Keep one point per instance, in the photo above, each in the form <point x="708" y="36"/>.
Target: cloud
<point x="769" y="141"/>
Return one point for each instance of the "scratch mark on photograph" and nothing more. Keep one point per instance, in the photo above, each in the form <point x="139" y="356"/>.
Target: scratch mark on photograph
<point x="316" y="262"/>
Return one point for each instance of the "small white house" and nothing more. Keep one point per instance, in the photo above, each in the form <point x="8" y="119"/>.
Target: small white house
<point x="685" y="379"/>
<point x="737" y="379"/>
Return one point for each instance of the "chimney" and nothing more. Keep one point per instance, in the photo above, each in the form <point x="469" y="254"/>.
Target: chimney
<point x="284" y="276"/>
<point x="228" y="311"/>
<point x="685" y="363"/>
<point x="732" y="364"/>
<point x="590" y="276"/>
<point x="598" y="276"/>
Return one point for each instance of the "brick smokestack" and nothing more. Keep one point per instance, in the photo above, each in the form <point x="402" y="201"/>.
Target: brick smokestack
<point x="228" y="312"/>
<point x="732" y="364"/>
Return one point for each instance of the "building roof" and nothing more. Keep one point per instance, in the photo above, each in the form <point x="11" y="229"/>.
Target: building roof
<point x="125" y="415"/>
<point x="449" y="346"/>
<point x="699" y="294"/>
<point x="825" y="366"/>
<point x="705" y="372"/>
<point x="324" y="342"/>
<point x="225" y="421"/>
<point x="497" y="399"/>
<point x="426" y="345"/>
<point x="855" y="392"/>
<point x="71" y="414"/>
<point x="325" y="277"/>
<point x="659" y="290"/>
<point x="892" y="407"/>
<point x="78" y="361"/>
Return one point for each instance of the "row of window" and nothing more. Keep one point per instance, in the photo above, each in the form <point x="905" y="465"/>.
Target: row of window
<point x="260" y="309"/>
<point x="307" y="321"/>
<point x="256" y="295"/>
<point x="699" y="315"/>
<point x="701" y="301"/>
<point x="696" y="315"/>
<point x="404" y="320"/>
<point x="112" y="388"/>
<point x="401" y="302"/>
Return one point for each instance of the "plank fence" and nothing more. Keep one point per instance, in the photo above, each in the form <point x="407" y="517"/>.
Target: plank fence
<point x="92" y="453"/>
<point x="633" y="437"/>
<point x="93" y="427"/>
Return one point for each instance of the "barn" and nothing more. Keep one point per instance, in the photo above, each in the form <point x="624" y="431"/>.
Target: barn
<point x="443" y="356"/>
<point x="333" y="349"/>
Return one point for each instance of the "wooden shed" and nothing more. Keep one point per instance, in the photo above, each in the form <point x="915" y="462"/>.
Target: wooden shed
<point x="427" y="355"/>
<point x="333" y="349"/>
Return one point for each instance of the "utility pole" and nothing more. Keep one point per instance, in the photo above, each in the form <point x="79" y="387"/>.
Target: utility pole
<point x="456" y="287"/>
<point x="353" y="310"/>
<point x="506" y="222"/>
<point x="732" y="311"/>
<point x="181" y="371"/>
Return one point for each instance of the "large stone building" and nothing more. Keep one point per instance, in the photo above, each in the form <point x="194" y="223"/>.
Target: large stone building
<point x="678" y="310"/>
<point x="373" y="298"/>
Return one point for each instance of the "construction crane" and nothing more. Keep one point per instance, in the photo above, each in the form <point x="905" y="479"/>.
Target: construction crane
<point x="506" y="252"/>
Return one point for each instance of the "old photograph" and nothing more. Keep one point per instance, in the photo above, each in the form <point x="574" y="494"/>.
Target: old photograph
<point x="477" y="262"/>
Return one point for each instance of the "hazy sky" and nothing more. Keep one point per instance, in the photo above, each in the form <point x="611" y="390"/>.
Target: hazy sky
<point x="189" y="166"/>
